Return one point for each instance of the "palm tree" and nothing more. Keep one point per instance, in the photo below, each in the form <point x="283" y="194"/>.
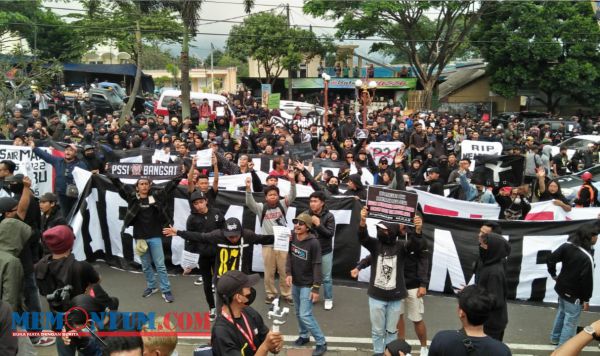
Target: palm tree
<point x="190" y="15"/>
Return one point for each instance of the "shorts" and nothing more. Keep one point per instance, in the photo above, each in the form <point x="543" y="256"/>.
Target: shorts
<point x="415" y="307"/>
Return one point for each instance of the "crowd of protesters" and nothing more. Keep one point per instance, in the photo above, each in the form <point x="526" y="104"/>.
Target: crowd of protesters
<point x="430" y="159"/>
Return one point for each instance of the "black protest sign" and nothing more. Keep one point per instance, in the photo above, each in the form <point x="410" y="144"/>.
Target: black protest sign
<point x="142" y="170"/>
<point x="301" y="151"/>
<point x="395" y="206"/>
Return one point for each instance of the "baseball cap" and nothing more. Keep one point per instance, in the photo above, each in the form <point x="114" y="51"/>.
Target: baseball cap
<point x="397" y="346"/>
<point x="17" y="178"/>
<point x="233" y="227"/>
<point x="305" y="218"/>
<point x="586" y="176"/>
<point x="88" y="147"/>
<point x="433" y="170"/>
<point x="383" y="160"/>
<point x="196" y="195"/>
<point x="234" y="281"/>
<point x="7" y="204"/>
<point x="49" y="197"/>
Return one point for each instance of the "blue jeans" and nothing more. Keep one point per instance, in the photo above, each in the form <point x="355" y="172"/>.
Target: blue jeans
<point x="384" y="318"/>
<point x="326" y="265"/>
<point x="565" y="323"/>
<point x="304" y="313"/>
<point x="155" y="254"/>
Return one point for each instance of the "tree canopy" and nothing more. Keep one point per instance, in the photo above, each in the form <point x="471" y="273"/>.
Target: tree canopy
<point x="550" y="46"/>
<point x="429" y="33"/>
<point x="267" y="38"/>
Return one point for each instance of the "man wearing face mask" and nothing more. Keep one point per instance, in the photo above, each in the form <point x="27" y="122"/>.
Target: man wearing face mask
<point x="513" y="203"/>
<point x="94" y="163"/>
<point x="239" y="329"/>
<point x="387" y="287"/>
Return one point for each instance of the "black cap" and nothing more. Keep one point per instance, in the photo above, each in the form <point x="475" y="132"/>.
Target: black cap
<point x="433" y="170"/>
<point x="196" y="195"/>
<point x="233" y="227"/>
<point x="7" y="204"/>
<point x="396" y="346"/>
<point x="17" y="178"/>
<point x="234" y="281"/>
<point x="88" y="147"/>
<point x="49" y="197"/>
<point x="383" y="160"/>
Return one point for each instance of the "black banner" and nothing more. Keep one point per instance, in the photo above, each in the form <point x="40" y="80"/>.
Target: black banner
<point x="453" y="241"/>
<point x="147" y="171"/>
<point x="301" y="151"/>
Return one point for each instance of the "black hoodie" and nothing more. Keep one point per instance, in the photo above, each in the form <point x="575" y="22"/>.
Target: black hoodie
<point x="491" y="276"/>
<point x="387" y="265"/>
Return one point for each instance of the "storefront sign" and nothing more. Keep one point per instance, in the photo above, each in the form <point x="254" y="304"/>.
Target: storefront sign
<point x="348" y="83"/>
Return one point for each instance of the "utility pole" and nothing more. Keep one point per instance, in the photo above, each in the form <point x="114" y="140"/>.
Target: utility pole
<point x="212" y="69"/>
<point x="287" y="10"/>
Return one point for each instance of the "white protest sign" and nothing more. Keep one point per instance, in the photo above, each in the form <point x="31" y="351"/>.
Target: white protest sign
<point x="189" y="260"/>
<point x="469" y="149"/>
<point x="220" y="111"/>
<point x="30" y="165"/>
<point x="161" y="156"/>
<point x="282" y="238"/>
<point x="385" y="149"/>
<point x="204" y="158"/>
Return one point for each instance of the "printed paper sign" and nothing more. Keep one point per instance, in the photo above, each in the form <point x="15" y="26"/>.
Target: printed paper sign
<point x="282" y="238"/>
<point x="385" y="149"/>
<point x="204" y="158"/>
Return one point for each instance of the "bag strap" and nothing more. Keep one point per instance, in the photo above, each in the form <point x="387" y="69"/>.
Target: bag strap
<point x="265" y="208"/>
<point x="586" y="253"/>
<point x="467" y="343"/>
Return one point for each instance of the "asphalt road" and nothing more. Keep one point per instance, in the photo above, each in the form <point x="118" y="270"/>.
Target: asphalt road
<point x="347" y="326"/>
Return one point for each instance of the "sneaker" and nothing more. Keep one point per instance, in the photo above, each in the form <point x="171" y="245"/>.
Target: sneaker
<point x="289" y="300"/>
<point x="328" y="304"/>
<point x="213" y="314"/>
<point x="269" y="300"/>
<point x="424" y="351"/>
<point x="320" y="350"/>
<point x="554" y="342"/>
<point x="149" y="291"/>
<point x="199" y="281"/>
<point x="301" y="341"/>
<point x="168" y="297"/>
<point x="45" y="341"/>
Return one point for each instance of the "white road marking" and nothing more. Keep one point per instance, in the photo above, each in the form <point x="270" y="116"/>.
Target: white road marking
<point x="368" y="341"/>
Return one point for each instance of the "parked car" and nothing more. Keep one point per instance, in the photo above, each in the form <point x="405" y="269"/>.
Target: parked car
<point x="570" y="184"/>
<point x="116" y="87"/>
<point x="520" y="117"/>
<point x="289" y="107"/>
<point x="576" y="143"/>
<point x="106" y="100"/>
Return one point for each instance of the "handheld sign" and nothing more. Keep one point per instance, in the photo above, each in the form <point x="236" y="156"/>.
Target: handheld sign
<point x="394" y="206"/>
<point x="301" y="151"/>
<point x="142" y="170"/>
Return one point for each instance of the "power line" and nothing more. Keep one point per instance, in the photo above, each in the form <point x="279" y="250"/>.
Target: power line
<point x="159" y="31"/>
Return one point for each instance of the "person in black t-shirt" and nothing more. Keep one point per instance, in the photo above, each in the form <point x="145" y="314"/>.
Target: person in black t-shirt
<point x="239" y="329"/>
<point x="474" y="307"/>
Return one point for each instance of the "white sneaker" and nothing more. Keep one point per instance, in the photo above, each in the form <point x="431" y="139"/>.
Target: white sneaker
<point x="328" y="305"/>
<point x="198" y="281"/>
<point x="213" y="314"/>
<point x="424" y="351"/>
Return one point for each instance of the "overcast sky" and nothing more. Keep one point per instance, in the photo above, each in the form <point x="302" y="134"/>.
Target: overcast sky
<point x="233" y="10"/>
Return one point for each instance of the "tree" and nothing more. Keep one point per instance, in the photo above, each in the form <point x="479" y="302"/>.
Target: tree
<point x="19" y="71"/>
<point x="156" y="58"/>
<point x="428" y="42"/>
<point x="267" y="38"/>
<point x="151" y="21"/>
<point x="190" y="15"/>
<point x="550" y="46"/>
<point x="174" y="71"/>
<point x="228" y="60"/>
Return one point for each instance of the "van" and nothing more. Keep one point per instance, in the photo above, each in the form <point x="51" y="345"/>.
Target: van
<point x="289" y="107"/>
<point x="214" y="100"/>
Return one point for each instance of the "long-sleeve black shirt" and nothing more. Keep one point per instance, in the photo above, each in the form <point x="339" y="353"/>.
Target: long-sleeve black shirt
<point x="304" y="261"/>
<point x="325" y="230"/>
<point x="576" y="278"/>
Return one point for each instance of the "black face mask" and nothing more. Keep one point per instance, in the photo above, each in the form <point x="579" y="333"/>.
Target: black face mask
<point x="385" y="239"/>
<point x="251" y="297"/>
<point x="333" y="188"/>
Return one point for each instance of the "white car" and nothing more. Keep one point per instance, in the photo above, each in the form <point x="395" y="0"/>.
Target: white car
<point x="575" y="144"/>
<point x="289" y="107"/>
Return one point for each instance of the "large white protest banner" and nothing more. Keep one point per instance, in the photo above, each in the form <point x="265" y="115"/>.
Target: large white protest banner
<point x="30" y="165"/>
